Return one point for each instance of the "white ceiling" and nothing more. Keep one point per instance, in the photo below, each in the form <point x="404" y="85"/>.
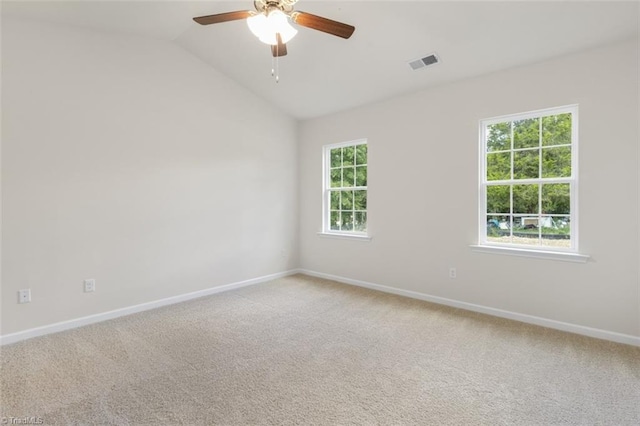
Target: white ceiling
<point x="323" y="74"/>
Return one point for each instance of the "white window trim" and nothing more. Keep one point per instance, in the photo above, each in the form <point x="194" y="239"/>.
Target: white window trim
<point x="545" y="252"/>
<point x="344" y="236"/>
<point x="536" y="254"/>
<point x="326" y="177"/>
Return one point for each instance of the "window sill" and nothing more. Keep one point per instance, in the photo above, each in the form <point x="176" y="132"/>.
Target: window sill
<point x="536" y="254"/>
<point x="357" y="237"/>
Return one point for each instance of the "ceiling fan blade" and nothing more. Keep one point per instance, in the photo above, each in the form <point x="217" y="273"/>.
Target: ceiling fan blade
<point x="223" y="17"/>
<point x="279" y="49"/>
<point x="323" y="24"/>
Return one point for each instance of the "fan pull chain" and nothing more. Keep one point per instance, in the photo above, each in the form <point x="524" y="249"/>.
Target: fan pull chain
<point x="277" y="59"/>
<point x="275" y="63"/>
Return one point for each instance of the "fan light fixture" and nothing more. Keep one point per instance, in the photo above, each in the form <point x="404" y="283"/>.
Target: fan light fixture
<point x="266" y="26"/>
<point x="270" y="23"/>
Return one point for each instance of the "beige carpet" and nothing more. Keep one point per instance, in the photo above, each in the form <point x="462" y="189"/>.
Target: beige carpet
<point x="301" y="350"/>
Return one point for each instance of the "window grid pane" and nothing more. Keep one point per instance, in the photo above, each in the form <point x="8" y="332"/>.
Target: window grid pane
<point x="528" y="181"/>
<point x="346" y="194"/>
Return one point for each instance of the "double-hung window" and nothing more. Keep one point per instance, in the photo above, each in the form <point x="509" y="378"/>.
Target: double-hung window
<point x="528" y="180"/>
<point x="345" y="188"/>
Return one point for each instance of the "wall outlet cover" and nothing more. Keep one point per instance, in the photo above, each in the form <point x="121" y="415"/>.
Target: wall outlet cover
<point x="24" y="296"/>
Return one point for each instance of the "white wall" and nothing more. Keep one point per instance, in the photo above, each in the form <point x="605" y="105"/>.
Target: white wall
<point x="423" y="180"/>
<point x="130" y="161"/>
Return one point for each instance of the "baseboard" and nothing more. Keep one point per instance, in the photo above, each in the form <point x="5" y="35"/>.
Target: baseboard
<point x="92" y="319"/>
<point x="530" y="319"/>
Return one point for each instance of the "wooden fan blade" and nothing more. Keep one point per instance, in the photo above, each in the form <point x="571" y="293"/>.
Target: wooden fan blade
<point x="223" y="17"/>
<point x="322" y="24"/>
<point x="279" y="49"/>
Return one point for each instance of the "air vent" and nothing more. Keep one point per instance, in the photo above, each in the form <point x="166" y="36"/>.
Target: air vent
<point x="424" y="62"/>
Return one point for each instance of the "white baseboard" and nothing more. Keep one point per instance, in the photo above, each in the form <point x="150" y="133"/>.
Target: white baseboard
<point x="530" y="319"/>
<point x="91" y="319"/>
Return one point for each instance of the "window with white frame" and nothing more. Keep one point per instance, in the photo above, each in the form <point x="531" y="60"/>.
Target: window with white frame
<point x="345" y="188"/>
<point x="528" y="176"/>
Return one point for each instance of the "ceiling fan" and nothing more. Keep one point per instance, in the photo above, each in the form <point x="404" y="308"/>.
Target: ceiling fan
<point x="270" y="23"/>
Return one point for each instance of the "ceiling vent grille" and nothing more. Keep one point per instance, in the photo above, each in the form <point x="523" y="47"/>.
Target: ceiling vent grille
<point x="424" y="62"/>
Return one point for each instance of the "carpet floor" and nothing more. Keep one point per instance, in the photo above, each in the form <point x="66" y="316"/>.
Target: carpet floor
<point x="302" y="350"/>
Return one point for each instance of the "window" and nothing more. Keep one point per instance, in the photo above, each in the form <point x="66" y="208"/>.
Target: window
<point x="345" y="188"/>
<point x="528" y="178"/>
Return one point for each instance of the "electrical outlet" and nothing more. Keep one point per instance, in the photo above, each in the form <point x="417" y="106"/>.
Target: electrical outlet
<point x="89" y="285"/>
<point x="24" y="296"/>
<point x="452" y="273"/>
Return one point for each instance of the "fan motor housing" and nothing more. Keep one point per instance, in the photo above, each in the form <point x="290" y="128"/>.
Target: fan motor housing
<point x="265" y="5"/>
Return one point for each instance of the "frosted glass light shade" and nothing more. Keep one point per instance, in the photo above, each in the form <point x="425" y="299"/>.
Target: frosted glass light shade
<point x="266" y="27"/>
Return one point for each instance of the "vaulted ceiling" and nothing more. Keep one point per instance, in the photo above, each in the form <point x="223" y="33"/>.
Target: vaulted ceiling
<point x="323" y="74"/>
